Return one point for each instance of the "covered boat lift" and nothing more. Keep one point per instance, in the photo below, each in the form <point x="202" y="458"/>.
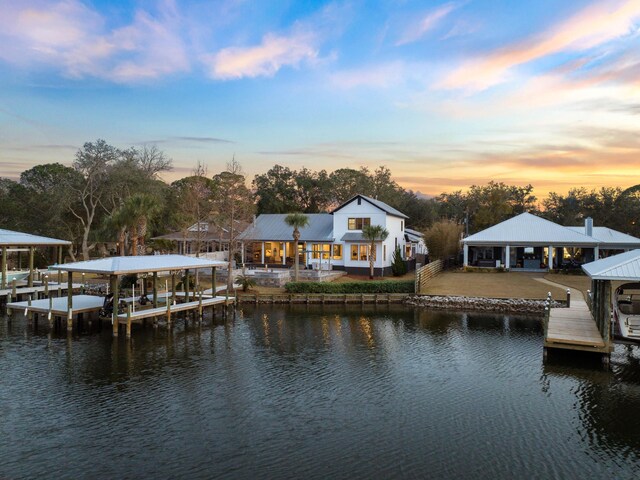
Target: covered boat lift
<point x="11" y="241"/>
<point x="115" y="267"/>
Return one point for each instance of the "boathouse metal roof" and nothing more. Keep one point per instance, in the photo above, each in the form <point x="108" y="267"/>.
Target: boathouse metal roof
<point x="138" y="264"/>
<point x="609" y="238"/>
<point x="528" y="229"/>
<point x="376" y="203"/>
<point x="625" y="267"/>
<point x="272" y="227"/>
<point x="9" y="238"/>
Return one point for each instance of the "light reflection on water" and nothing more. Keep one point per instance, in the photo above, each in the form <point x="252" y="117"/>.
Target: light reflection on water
<point x="315" y="392"/>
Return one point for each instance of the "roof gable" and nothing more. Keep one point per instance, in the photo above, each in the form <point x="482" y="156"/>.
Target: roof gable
<point x="528" y="229"/>
<point x="625" y="266"/>
<point x="376" y="203"/>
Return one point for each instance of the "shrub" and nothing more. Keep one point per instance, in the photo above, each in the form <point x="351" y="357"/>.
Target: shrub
<point x="246" y="282"/>
<point x="406" y="286"/>
<point x="398" y="267"/>
<point x="443" y="239"/>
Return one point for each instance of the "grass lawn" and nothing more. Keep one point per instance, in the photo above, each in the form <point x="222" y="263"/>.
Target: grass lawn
<point x="579" y="282"/>
<point x="492" y="285"/>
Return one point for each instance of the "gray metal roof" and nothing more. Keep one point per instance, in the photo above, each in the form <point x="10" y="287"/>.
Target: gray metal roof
<point x="625" y="266"/>
<point x="271" y="227"/>
<point x="528" y="229"/>
<point x="9" y="238"/>
<point x="353" y="237"/>
<point x="376" y="203"/>
<point x="607" y="237"/>
<point x="138" y="264"/>
<point x="412" y="235"/>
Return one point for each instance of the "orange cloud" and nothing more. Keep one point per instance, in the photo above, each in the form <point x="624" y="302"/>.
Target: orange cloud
<point x="601" y="22"/>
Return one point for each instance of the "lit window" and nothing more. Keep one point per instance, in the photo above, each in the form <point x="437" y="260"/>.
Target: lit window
<point x="358" y="223"/>
<point x="337" y="252"/>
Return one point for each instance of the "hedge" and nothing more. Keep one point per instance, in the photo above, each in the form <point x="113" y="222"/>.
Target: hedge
<point x="385" y="286"/>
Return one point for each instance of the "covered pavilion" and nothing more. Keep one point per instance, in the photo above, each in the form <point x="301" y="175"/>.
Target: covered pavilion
<point x="528" y="242"/>
<point x="11" y="241"/>
<point x="115" y="267"/>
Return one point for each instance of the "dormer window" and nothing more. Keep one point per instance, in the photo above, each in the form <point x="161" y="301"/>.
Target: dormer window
<point x="359" y="201"/>
<point x="358" y="223"/>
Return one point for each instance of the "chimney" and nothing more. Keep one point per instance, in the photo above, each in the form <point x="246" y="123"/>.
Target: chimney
<point x="588" y="226"/>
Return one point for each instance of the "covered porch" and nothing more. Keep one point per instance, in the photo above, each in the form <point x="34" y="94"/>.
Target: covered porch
<point x="529" y="258"/>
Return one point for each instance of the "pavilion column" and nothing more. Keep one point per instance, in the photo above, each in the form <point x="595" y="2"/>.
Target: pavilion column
<point x="284" y="253"/>
<point x="550" y="257"/>
<point x="262" y="254"/>
<point x="155" y="289"/>
<point x="30" y="281"/>
<point x="596" y="253"/>
<point x="60" y="263"/>
<point x="113" y="280"/>
<point x="465" y="261"/>
<point x="507" y="257"/>
<point x="3" y="281"/>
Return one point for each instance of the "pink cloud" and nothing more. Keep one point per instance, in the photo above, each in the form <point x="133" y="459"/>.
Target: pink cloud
<point x="265" y="59"/>
<point x="599" y="23"/>
<point x="69" y="35"/>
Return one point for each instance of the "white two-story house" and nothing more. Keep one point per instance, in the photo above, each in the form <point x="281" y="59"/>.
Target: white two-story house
<point x="333" y="240"/>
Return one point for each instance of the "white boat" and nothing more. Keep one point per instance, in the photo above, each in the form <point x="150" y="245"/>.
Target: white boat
<point x="626" y="310"/>
<point x="15" y="275"/>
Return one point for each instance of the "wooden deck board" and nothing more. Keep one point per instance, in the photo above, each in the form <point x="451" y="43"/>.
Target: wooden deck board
<point x="573" y="327"/>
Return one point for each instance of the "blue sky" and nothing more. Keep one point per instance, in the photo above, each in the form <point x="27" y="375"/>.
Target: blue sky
<point x="445" y="94"/>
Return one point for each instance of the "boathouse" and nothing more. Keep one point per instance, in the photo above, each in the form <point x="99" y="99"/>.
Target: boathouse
<point x="527" y="242"/>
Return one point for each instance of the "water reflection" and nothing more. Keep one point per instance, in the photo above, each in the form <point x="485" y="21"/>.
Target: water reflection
<point x="315" y="392"/>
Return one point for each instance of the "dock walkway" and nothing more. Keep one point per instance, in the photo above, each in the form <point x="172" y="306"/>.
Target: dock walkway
<point x="573" y="328"/>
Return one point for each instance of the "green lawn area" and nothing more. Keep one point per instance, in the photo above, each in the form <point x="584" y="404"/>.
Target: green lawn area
<point x="579" y="282"/>
<point x="492" y="285"/>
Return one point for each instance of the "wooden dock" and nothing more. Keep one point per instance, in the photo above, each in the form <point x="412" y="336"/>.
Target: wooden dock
<point x="574" y="328"/>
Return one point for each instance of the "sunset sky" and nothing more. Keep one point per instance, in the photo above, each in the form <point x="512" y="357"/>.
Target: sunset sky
<point x="445" y="94"/>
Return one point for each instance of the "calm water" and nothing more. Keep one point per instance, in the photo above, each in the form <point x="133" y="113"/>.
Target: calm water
<point x="315" y="392"/>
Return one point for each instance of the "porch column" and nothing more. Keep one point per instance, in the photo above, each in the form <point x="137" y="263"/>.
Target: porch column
<point x="465" y="249"/>
<point x="262" y="254"/>
<point x="596" y="253"/>
<point x="242" y="252"/>
<point x="284" y="253"/>
<point x="550" y="257"/>
<point x="507" y="257"/>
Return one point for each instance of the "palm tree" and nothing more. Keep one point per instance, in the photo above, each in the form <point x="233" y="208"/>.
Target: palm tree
<point x="373" y="233"/>
<point x="296" y="220"/>
<point x="141" y="208"/>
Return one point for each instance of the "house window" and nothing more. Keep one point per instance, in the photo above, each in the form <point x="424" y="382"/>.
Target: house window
<point x="337" y="252"/>
<point x="407" y="251"/>
<point x="320" y="250"/>
<point x="359" y="252"/>
<point x="358" y="223"/>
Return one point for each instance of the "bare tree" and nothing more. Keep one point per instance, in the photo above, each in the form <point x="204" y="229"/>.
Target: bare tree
<point x="233" y="202"/>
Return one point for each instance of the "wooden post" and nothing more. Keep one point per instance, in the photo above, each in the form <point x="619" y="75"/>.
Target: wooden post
<point x="113" y="279"/>
<point x="173" y="288"/>
<point x="49" y="315"/>
<point x="129" y="321"/>
<point x="70" y="320"/>
<point x="13" y="289"/>
<point x="46" y="285"/>
<point x="213" y="280"/>
<point x="30" y="281"/>
<point x="185" y="285"/>
<point x="29" y="312"/>
<point x="168" y="314"/>
<point x="70" y="289"/>
<point x="59" y="263"/>
<point x="3" y="280"/>
<point x="9" y="300"/>
<point x="155" y="289"/>
<point x="200" y="305"/>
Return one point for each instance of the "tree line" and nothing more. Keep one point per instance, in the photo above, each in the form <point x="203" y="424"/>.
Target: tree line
<point x="117" y="195"/>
